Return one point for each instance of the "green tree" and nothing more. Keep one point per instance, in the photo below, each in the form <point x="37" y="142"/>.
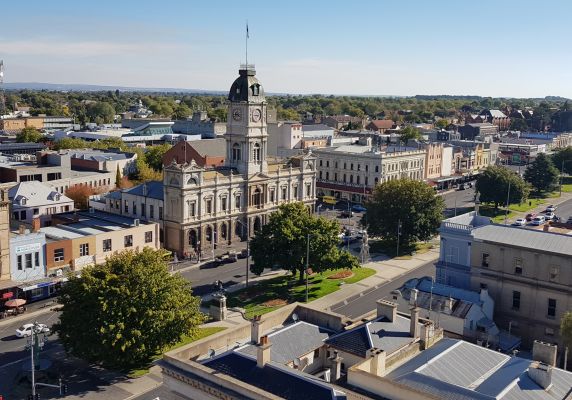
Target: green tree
<point x="408" y="133"/>
<point x="118" y="177"/>
<point x="123" y="312"/>
<point x="411" y="202"/>
<point x="442" y="123"/>
<point x="566" y="329"/>
<point x="144" y="172"/>
<point x="182" y="112"/>
<point x="542" y="174"/>
<point x="154" y="156"/>
<point x="518" y="124"/>
<point x="288" y="114"/>
<point x="101" y="112"/>
<point x="493" y="186"/>
<point x="282" y="242"/>
<point x="562" y="159"/>
<point x="29" y="135"/>
<point x="70" y="143"/>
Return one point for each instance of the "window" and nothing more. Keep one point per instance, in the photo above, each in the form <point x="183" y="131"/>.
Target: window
<point x="29" y="260"/>
<point x="366" y="168"/>
<point x="36" y="259"/>
<point x="148" y="237"/>
<point x="335" y="176"/>
<point x="327" y="175"/>
<point x="321" y="175"/>
<point x="36" y="292"/>
<point x="58" y="255"/>
<point x="36" y="211"/>
<point x="192" y="208"/>
<point x="554" y="270"/>
<point x="321" y="163"/>
<point x="143" y="211"/>
<point x="126" y="207"/>
<point x="16" y="215"/>
<point x="485" y="260"/>
<point x="209" y="205"/>
<point x="20" y="265"/>
<point x="308" y="190"/>
<point x="273" y="194"/>
<point x="549" y="331"/>
<point x="223" y="204"/>
<point x="328" y="163"/>
<point x="160" y="212"/>
<point x="359" y="167"/>
<point x="345" y="166"/>
<point x="295" y="192"/>
<point x="352" y="166"/>
<point x="151" y="211"/>
<point x="518" y="266"/>
<point x="551" y="308"/>
<point x="236" y="152"/>
<point x="134" y="208"/>
<point x="316" y="353"/>
<point x="284" y="192"/>
<point x="106" y="244"/>
<point x="256" y="157"/>
<point x="237" y="201"/>
<point x="336" y="165"/>
<point x="84" y="249"/>
<point x="128" y="241"/>
<point x="22" y="215"/>
<point x="515" y="300"/>
<point x="377" y="168"/>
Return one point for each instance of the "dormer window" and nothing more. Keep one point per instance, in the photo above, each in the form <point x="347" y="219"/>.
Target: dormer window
<point x="23" y="201"/>
<point x="255" y="90"/>
<point x="237" y="90"/>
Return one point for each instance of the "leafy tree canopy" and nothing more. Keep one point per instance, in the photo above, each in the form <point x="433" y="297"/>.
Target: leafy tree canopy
<point x="282" y="242"/>
<point x="542" y="174"/>
<point x="562" y="159"/>
<point x="122" y="313"/>
<point x="411" y="202"/>
<point x="408" y="133"/>
<point x="154" y="155"/>
<point x="493" y="185"/>
<point x="518" y="124"/>
<point x="29" y="135"/>
<point x="566" y="328"/>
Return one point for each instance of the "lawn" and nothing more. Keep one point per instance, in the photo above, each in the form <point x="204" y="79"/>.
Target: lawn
<point x="271" y="294"/>
<point x="567" y="188"/>
<point x="390" y="248"/>
<point x="186" y="339"/>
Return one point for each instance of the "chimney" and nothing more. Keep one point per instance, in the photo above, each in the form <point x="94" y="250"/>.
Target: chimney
<point x="386" y="309"/>
<point x="541" y="374"/>
<point x="377" y="366"/>
<point x="255" y="330"/>
<point x="263" y="352"/>
<point x="449" y="305"/>
<point x="413" y="324"/>
<point x="544" y="352"/>
<point x="336" y="367"/>
<point x="413" y="297"/>
<point x="36" y="224"/>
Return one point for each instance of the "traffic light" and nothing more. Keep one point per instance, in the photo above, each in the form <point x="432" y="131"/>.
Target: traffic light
<point x="37" y="396"/>
<point x="64" y="389"/>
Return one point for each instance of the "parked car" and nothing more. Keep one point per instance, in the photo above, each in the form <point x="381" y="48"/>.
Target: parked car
<point x="346" y="214"/>
<point x="538" y="220"/>
<point x="530" y="217"/>
<point x="244" y="253"/>
<point x="232" y="256"/>
<point x="461" y="187"/>
<point x="26" y="330"/>
<point x="551" y="208"/>
<point x="520" y="222"/>
<point x="549" y="216"/>
<point x="358" y="208"/>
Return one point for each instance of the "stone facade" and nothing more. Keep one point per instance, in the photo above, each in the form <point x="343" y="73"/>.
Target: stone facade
<point x="210" y="207"/>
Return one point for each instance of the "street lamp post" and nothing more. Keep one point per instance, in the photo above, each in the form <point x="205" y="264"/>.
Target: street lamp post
<point x="507" y="204"/>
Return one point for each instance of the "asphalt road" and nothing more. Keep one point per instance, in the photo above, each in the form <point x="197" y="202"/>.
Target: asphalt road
<point x="461" y="199"/>
<point x="363" y="303"/>
<point x="159" y="393"/>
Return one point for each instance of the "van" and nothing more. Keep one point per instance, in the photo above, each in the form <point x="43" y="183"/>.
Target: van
<point x="331" y="200"/>
<point x="538" y="220"/>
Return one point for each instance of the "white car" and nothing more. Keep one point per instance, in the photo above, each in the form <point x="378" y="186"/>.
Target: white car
<point x="520" y="222"/>
<point x="26" y="330"/>
<point x="549" y="216"/>
<point x="550" y="209"/>
<point x="539" y="220"/>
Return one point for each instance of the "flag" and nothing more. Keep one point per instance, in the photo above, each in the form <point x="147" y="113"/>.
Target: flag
<point x="247" y="35"/>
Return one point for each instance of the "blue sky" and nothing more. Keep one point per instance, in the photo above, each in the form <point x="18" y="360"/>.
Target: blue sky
<point x="489" y="48"/>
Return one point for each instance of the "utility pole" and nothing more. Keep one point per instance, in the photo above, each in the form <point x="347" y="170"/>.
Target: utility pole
<point x="398" y="235"/>
<point x="507" y="205"/>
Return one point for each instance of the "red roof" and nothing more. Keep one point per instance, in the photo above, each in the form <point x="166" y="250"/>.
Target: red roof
<point x="383" y="123"/>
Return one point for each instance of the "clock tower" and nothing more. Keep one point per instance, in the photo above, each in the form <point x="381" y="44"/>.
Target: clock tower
<point x="246" y="133"/>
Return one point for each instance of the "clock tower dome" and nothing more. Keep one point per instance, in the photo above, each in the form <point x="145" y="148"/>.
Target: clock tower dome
<point x="246" y="132"/>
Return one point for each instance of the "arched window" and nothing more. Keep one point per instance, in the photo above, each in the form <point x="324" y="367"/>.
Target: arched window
<point x="236" y="152"/>
<point x="256" y="156"/>
<point x="255" y="89"/>
<point x="209" y="234"/>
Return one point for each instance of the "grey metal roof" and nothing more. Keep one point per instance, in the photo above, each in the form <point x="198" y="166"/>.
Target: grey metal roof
<point x="292" y="342"/>
<point x="100" y="155"/>
<point x="316" y="127"/>
<point x="240" y="89"/>
<point x="154" y="190"/>
<point x="209" y="147"/>
<point x="454" y="369"/>
<point x="36" y="194"/>
<point x="532" y="239"/>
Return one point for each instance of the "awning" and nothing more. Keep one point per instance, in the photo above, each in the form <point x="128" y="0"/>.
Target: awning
<point x="40" y="283"/>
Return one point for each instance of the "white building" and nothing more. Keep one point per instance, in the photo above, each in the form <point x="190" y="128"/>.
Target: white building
<point x="35" y="200"/>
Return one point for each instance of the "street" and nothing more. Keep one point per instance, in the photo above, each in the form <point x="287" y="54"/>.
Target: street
<point x="460" y="200"/>
<point x="360" y="304"/>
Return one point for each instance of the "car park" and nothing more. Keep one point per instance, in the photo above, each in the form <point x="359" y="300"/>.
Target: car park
<point x="520" y="222"/>
<point x="538" y="220"/>
<point x="26" y="330"/>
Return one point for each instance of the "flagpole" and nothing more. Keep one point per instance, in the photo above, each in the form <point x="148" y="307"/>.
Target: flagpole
<point x="246" y="47"/>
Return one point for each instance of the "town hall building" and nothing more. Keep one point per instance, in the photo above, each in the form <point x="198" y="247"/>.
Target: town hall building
<point x="210" y="206"/>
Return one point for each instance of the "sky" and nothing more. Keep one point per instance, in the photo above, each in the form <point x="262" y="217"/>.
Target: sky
<point x="502" y="48"/>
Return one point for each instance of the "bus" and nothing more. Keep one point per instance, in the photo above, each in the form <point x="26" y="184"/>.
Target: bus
<point x="329" y="200"/>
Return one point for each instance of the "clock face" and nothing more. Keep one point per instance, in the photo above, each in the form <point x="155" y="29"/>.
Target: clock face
<point x="236" y="115"/>
<point x="256" y="115"/>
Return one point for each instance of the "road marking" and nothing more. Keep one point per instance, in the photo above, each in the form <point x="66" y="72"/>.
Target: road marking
<point x="14" y="362"/>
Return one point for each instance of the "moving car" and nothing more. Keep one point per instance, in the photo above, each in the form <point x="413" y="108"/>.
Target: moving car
<point x="520" y="222"/>
<point x="530" y="217"/>
<point x="538" y="220"/>
<point x="26" y="330"/>
<point x="551" y="208"/>
<point x="549" y="216"/>
<point x="358" y="208"/>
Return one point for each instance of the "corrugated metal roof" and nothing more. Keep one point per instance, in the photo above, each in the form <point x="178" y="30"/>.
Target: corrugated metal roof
<point x="545" y="242"/>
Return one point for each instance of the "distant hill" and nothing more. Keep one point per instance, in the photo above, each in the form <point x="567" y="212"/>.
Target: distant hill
<point x="70" y="87"/>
